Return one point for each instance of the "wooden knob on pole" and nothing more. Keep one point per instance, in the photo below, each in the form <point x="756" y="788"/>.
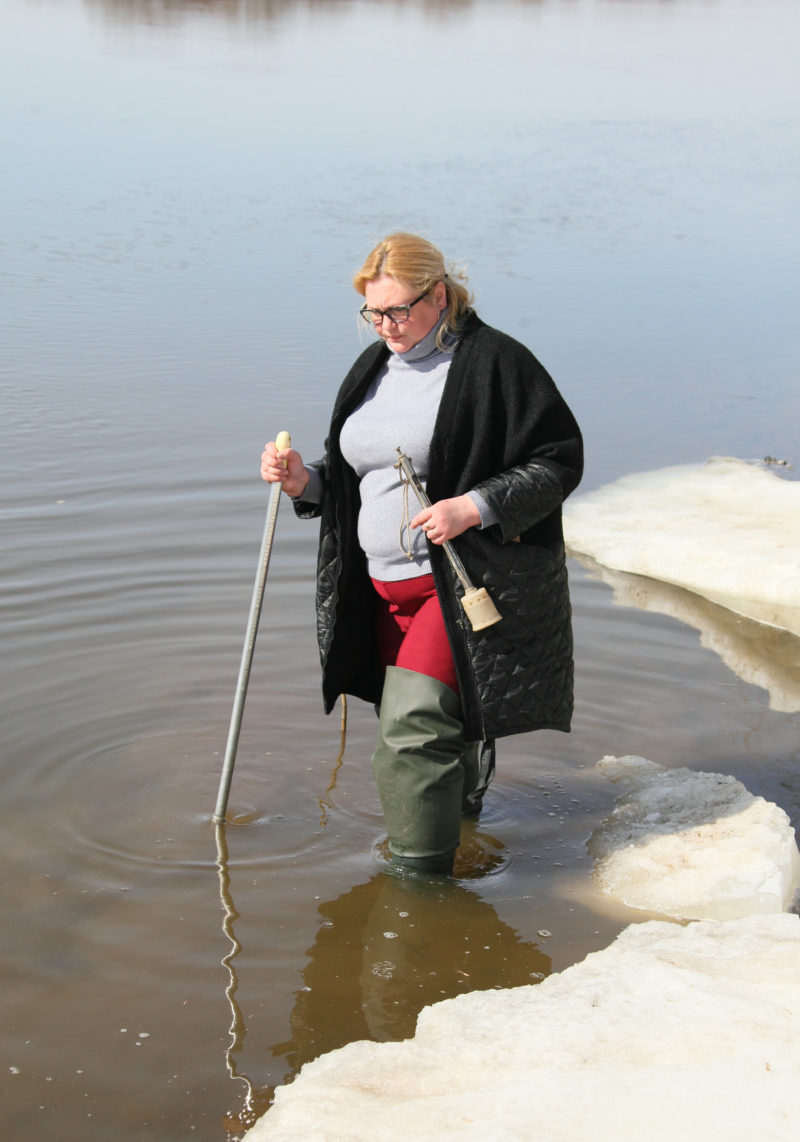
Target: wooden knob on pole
<point x="283" y="440"/>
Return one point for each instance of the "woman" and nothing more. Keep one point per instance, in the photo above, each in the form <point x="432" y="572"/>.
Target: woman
<point x="498" y="451"/>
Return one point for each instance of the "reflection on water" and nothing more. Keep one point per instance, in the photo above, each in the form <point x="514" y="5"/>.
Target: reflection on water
<point x="761" y="655"/>
<point x="384" y="949"/>
<point x="245" y="12"/>
<point x="255" y="1101"/>
<point x="389" y="947"/>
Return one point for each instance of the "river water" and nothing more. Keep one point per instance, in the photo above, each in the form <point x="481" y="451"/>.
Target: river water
<point x="188" y="187"/>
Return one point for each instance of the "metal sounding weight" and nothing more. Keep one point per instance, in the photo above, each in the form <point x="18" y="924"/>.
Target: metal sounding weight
<point x="479" y="608"/>
<point x="282" y="440"/>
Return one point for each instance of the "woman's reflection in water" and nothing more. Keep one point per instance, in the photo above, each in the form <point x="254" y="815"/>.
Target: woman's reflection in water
<point x="388" y="948"/>
<point x="383" y="950"/>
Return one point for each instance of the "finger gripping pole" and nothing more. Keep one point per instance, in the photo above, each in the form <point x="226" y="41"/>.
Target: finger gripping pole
<point x="477" y="604"/>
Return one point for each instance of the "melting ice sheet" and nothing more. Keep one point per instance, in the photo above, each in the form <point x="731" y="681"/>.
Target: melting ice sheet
<point x="727" y="530"/>
<point x="670" y="1033"/>
<point x="693" y="845"/>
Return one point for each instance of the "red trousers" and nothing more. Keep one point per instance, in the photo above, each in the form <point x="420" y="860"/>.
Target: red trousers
<point x="410" y="629"/>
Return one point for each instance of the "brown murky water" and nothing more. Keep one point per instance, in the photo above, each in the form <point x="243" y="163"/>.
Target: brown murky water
<point x="190" y="187"/>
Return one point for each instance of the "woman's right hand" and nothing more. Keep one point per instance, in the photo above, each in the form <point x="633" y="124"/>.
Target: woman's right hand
<point x="284" y="466"/>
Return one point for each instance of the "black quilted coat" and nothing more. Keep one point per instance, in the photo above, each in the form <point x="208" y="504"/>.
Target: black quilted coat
<point x="502" y="429"/>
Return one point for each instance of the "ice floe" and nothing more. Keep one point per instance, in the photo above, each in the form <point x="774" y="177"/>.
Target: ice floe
<point x="693" y="845"/>
<point x="671" y="1032"/>
<point x="726" y="530"/>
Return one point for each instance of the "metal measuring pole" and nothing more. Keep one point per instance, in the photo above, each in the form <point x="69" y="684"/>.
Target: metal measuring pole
<point x="282" y="440"/>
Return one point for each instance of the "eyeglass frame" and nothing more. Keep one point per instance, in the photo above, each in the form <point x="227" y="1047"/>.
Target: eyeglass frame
<point x="369" y="314"/>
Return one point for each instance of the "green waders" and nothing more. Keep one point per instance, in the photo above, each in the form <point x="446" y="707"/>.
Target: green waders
<point x="423" y="768"/>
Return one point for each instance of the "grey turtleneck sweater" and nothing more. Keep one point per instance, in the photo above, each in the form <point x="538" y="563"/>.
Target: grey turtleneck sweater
<point x="398" y="411"/>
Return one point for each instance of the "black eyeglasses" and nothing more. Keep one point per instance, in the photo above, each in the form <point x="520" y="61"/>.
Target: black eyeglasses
<point x="397" y="314"/>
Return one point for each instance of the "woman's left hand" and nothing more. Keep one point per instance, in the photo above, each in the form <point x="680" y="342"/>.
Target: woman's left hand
<point x="447" y="518"/>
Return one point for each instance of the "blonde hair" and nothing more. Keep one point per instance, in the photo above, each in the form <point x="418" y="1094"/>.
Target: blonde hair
<point x="417" y="262"/>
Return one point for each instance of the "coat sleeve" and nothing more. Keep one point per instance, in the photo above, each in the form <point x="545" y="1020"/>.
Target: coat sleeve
<point x="311" y="508"/>
<point x="542" y="459"/>
<point x="523" y="496"/>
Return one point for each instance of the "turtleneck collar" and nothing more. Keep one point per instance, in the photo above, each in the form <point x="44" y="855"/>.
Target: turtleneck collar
<point x="427" y="346"/>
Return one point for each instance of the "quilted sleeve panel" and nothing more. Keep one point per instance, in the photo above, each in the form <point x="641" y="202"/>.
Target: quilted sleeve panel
<point x="523" y="496"/>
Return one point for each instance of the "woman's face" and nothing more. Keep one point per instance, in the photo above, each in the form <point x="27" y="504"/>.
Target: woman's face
<point x="385" y="292"/>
